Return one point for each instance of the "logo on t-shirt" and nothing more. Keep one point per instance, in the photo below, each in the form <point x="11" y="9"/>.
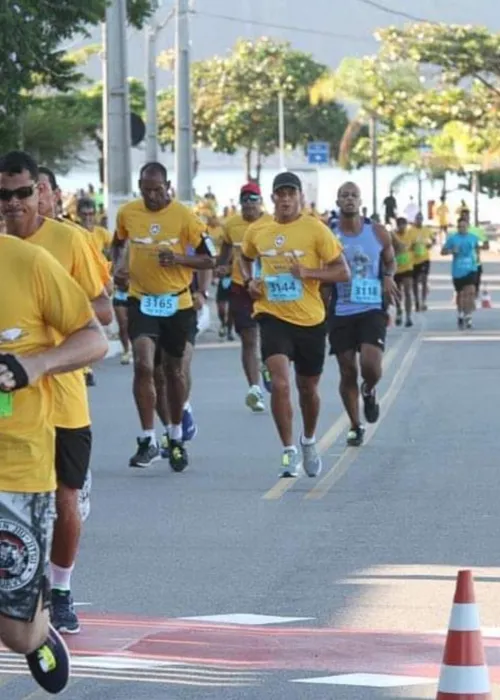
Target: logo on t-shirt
<point x="278" y="241"/>
<point x="154" y="229"/>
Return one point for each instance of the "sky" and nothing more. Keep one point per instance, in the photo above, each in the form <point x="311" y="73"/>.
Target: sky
<point x="329" y="29"/>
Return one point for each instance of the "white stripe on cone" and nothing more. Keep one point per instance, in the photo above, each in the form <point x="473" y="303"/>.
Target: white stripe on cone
<point x="464" y="617"/>
<point x="464" y="679"/>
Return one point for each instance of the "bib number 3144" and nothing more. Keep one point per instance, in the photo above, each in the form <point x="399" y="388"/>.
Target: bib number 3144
<point x="284" y="287"/>
<point x="365" y="291"/>
<point x="162" y="306"/>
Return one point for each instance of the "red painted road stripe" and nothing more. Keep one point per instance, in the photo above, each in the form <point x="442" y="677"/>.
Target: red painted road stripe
<point x="318" y="649"/>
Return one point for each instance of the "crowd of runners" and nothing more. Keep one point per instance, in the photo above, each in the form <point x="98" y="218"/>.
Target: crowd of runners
<point x="290" y="286"/>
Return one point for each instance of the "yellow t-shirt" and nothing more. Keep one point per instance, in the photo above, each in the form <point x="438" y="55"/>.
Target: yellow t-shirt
<point x="278" y="246"/>
<point x="234" y="231"/>
<point x="443" y="214"/>
<point x="102" y="237"/>
<point x="423" y="238"/>
<point x="103" y="265"/>
<point x="216" y="233"/>
<point x="405" y="260"/>
<point x="174" y="226"/>
<point x="73" y="251"/>
<point x="40" y="301"/>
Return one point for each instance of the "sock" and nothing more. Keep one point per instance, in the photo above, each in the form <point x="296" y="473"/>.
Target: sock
<point x="290" y="448"/>
<point x="151" y="434"/>
<point x="187" y="407"/>
<point x="61" y="577"/>
<point x="255" y="388"/>
<point x="175" y="432"/>
<point x="460" y="314"/>
<point x="308" y="440"/>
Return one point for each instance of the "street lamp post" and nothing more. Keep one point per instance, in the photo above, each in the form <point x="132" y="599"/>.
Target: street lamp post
<point x="183" y="124"/>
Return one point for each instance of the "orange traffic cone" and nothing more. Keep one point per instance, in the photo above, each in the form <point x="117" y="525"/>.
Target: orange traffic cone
<point x="486" y="299"/>
<point x="464" y="675"/>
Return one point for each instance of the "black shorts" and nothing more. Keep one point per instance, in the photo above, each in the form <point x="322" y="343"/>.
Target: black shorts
<point x="191" y="338"/>
<point x="479" y="274"/>
<point x="422" y="268"/>
<point x="223" y="293"/>
<point x="469" y="280"/>
<point x="305" y="346"/>
<point x="400" y="276"/>
<point x="26" y="528"/>
<point x="241" y="307"/>
<point x="351" y="332"/>
<point x="73" y="448"/>
<point x="171" y="333"/>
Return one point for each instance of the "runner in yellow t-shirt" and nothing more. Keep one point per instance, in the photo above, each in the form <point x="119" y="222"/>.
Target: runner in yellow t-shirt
<point x="424" y="240"/>
<point x="46" y="326"/>
<point x="297" y="254"/>
<point x="166" y="242"/>
<point x="405" y="263"/>
<point x="240" y="302"/>
<point x="73" y="251"/>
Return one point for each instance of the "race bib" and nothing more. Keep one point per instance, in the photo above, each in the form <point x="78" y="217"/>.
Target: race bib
<point x="162" y="306"/>
<point x="225" y="282"/>
<point x="365" y="291"/>
<point x="121" y="296"/>
<point x="284" y="287"/>
<point x="403" y="259"/>
<point x="5" y="405"/>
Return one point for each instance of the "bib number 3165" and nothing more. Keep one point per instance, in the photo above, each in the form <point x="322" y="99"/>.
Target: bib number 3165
<point x="162" y="306"/>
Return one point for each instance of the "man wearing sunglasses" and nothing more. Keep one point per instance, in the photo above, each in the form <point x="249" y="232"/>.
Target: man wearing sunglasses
<point x="47" y="327"/>
<point x="240" y="303"/>
<point x="23" y="192"/>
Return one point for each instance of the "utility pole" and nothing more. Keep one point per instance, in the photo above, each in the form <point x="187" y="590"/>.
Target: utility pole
<point x="117" y="138"/>
<point x="151" y="112"/>
<point x="281" y="130"/>
<point x="183" y="124"/>
<point x="151" y="35"/>
<point x="374" y="161"/>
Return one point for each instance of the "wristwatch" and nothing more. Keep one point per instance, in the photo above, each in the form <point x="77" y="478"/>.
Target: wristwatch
<point x="204" y="294"/>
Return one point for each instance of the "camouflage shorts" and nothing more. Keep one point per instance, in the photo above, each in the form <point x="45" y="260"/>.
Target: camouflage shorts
<point x="84" y="497"/>
<point x="26" y="529"/>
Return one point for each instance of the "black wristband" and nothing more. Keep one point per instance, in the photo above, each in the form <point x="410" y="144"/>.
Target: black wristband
<point x="13" y="365"/>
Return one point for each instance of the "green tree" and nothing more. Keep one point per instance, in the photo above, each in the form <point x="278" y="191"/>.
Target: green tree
<point x="376" y="88"/>
<point x="235" y="102"/>
<point x="32" y="33"/>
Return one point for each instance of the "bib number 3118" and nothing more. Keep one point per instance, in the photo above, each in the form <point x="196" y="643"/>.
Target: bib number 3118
<point x="365" y="291"/>
<point x="162" y="306"/>
<point x="284" y="287"/>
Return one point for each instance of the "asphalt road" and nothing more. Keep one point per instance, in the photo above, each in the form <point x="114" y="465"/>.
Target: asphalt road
<point x="366" y="557"/>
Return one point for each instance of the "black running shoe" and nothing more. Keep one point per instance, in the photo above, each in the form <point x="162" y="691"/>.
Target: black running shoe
<point x="62" y="613"/>
<point x="50" y="664"/>
<point x="147" y="453"/>
<point x="372" y="408"/>
<point x="355" y="436"/>
<point x="178" y="457"/>
<point x="409" y="323"/>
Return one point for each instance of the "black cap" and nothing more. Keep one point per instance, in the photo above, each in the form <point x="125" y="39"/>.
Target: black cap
<point x="287" y="179"/>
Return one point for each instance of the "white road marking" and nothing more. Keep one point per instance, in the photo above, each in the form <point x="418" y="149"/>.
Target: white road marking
<point x="247" y="619"/>
<point x="369" y="680"/>
<point x="462" y="339"/>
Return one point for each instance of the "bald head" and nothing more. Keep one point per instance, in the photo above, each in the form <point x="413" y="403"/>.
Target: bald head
<point x="349" y="199"/>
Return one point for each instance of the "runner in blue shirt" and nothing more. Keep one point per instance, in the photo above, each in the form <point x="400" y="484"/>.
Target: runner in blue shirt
<point x="464" y="246"/>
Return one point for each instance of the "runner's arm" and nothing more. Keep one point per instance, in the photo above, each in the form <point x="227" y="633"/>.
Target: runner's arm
<point x="388" y="249"/>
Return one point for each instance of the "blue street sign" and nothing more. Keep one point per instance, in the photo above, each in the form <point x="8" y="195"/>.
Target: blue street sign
<point x="318" y="153"/>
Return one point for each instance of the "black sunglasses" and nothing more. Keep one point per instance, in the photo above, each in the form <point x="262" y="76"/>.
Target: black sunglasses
<point x="19" y="193"/>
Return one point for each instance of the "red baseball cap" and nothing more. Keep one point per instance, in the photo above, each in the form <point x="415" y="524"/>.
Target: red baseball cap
<point x="251" y="188"/>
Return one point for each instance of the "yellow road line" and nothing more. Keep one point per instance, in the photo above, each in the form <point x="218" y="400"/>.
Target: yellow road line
<point x="333" y="432"/>
<point x="343" y="463"/>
